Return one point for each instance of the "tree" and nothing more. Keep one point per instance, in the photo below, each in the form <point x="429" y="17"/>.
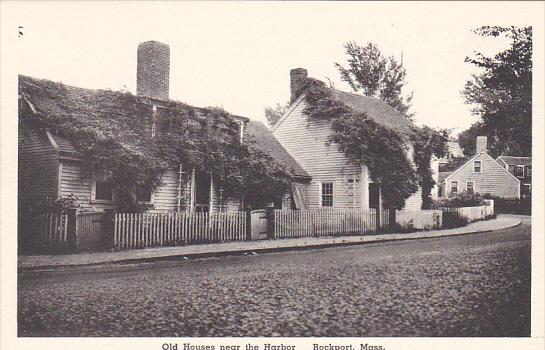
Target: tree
<point x="502" y="93"/>
<point x="274" y="114"/>
<point x="371" y="73"/>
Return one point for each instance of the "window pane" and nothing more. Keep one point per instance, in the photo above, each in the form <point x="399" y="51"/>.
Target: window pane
<point x="477" y="166"/>
<point x="103" y="190"/>
<point x="143" y="194"/>
<point x="327" y="194"/>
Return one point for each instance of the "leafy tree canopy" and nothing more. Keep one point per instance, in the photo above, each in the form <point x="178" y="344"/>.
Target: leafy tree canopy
<point x="371" y="73"/>
<point x="273" y="114"/>
<point x="502" y="94"/>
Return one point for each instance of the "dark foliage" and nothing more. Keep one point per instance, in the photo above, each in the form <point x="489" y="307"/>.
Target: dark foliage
<point x="522" y="206"/>
<point x="371" y="73"/>
<point x="452" y="219"/>
<point x="274" y="114"/>
<point x="113" y="131"/>
<point x="463" y="199"/>
<point x="427" y="143"/>
<point x="502" y="94"/>
<point x="382" y="150"/>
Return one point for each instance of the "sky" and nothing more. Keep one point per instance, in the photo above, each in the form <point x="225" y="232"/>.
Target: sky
<point x="238" y="55"/>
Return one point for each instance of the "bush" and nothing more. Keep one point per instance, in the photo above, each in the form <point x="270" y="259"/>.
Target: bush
<point x="452" y="219"/>
<point x="522" y="206"/>
<point x="463" y="199"/>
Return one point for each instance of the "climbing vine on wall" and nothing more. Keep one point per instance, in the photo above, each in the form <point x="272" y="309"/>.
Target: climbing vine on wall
<point x="427" y="143"/>
<point x="381" y="149"/>
<point x="112" y="131"/>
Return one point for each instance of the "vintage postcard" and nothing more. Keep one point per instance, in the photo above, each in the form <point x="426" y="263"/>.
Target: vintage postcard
<point x="272" y="176"/>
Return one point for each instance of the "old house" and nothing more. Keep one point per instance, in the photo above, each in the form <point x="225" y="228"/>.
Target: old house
<point x="441" y="167"/>
<point x="335" y="183"/>
<point x="50" y="165"/>
<point x="521" y="168"/>
<point x="482" y="174"/>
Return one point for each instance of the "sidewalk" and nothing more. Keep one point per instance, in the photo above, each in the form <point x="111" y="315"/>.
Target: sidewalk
<point x="251" y="247"/>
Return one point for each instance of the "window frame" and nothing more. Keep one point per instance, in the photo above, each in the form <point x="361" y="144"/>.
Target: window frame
<point x="517" y="167"/>
<point x="451" y="187"/>
<point x="472" y="186"/>
<point x="151" y="197"/>
<point x="97" y="178"/>
<point x="327" y="195"/>
<point x="480" y="167"/>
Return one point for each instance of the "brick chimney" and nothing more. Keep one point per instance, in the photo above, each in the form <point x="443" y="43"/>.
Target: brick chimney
<point x="153" y="70"/>
<point x="480" y="144"/>
<point x="297" y="78"/>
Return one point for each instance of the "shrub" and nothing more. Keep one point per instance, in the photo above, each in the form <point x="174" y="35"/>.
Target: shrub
<point x="522" y="206"/>
<point x="463" y="199"/>
<point x="452" y="219"/>
<point x="51" y="204"/>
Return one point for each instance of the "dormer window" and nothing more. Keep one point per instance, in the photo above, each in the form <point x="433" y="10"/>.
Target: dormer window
<point x="519" y="171"/>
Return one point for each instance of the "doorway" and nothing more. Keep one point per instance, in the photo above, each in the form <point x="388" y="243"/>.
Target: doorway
<point x="202" y="192"/>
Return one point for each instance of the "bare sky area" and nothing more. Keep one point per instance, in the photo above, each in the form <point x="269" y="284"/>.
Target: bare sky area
<point x="238" y="55"/>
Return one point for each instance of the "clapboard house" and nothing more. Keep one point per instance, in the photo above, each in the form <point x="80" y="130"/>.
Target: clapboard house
<point x="482" y="174"/>
<point x="335" y="183"/>
<point x="51" y="165"/>
<point x="521" y="168"/>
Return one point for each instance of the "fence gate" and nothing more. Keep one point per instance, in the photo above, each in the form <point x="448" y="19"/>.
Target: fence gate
<point x="259" y="224"/>
<point x="90" y="230"/>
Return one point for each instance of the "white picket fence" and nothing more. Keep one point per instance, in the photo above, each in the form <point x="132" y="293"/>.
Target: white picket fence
<point x="168" y="229"/>
<point x="327" y="222"/>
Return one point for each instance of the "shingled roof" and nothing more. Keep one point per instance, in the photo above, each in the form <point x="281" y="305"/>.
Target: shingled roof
<point x="41" y="94"/>
<point x="265" y="141"/>
<point x="375" y="109"/>
<point x="509" y="160"/>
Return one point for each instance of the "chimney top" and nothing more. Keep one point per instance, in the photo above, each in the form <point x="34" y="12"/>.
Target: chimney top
<point x="297" y="79"/>
<point x="481" y="144"/>
<point x="153" y="70"/>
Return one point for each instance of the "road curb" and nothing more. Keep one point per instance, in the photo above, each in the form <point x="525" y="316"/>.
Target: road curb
<point x="245" y="252"/>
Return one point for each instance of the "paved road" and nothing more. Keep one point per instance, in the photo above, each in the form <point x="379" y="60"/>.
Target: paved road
<point x="474" y="285"/>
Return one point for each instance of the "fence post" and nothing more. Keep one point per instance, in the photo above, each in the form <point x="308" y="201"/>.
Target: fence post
<point x="108" y="228"/>
<point x="248" y="224"/>
<point x="71" y="230"/>
<point x="270" y="222"/>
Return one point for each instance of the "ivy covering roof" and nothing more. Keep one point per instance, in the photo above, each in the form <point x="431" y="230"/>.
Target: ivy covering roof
<point x="375" y="109"/>
<point x="91" y="108"/>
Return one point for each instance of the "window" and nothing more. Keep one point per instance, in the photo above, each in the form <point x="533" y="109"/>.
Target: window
<point x="103" y="190"/>
<point x="476" y="166"/>
<point x="454" y="187"/>
<point x="519" y="171"/>
<point x="143" y="194"/>
<point x="528" y="171"/>
<point x="327" y="194"/>
<point x="470" y="186"/>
